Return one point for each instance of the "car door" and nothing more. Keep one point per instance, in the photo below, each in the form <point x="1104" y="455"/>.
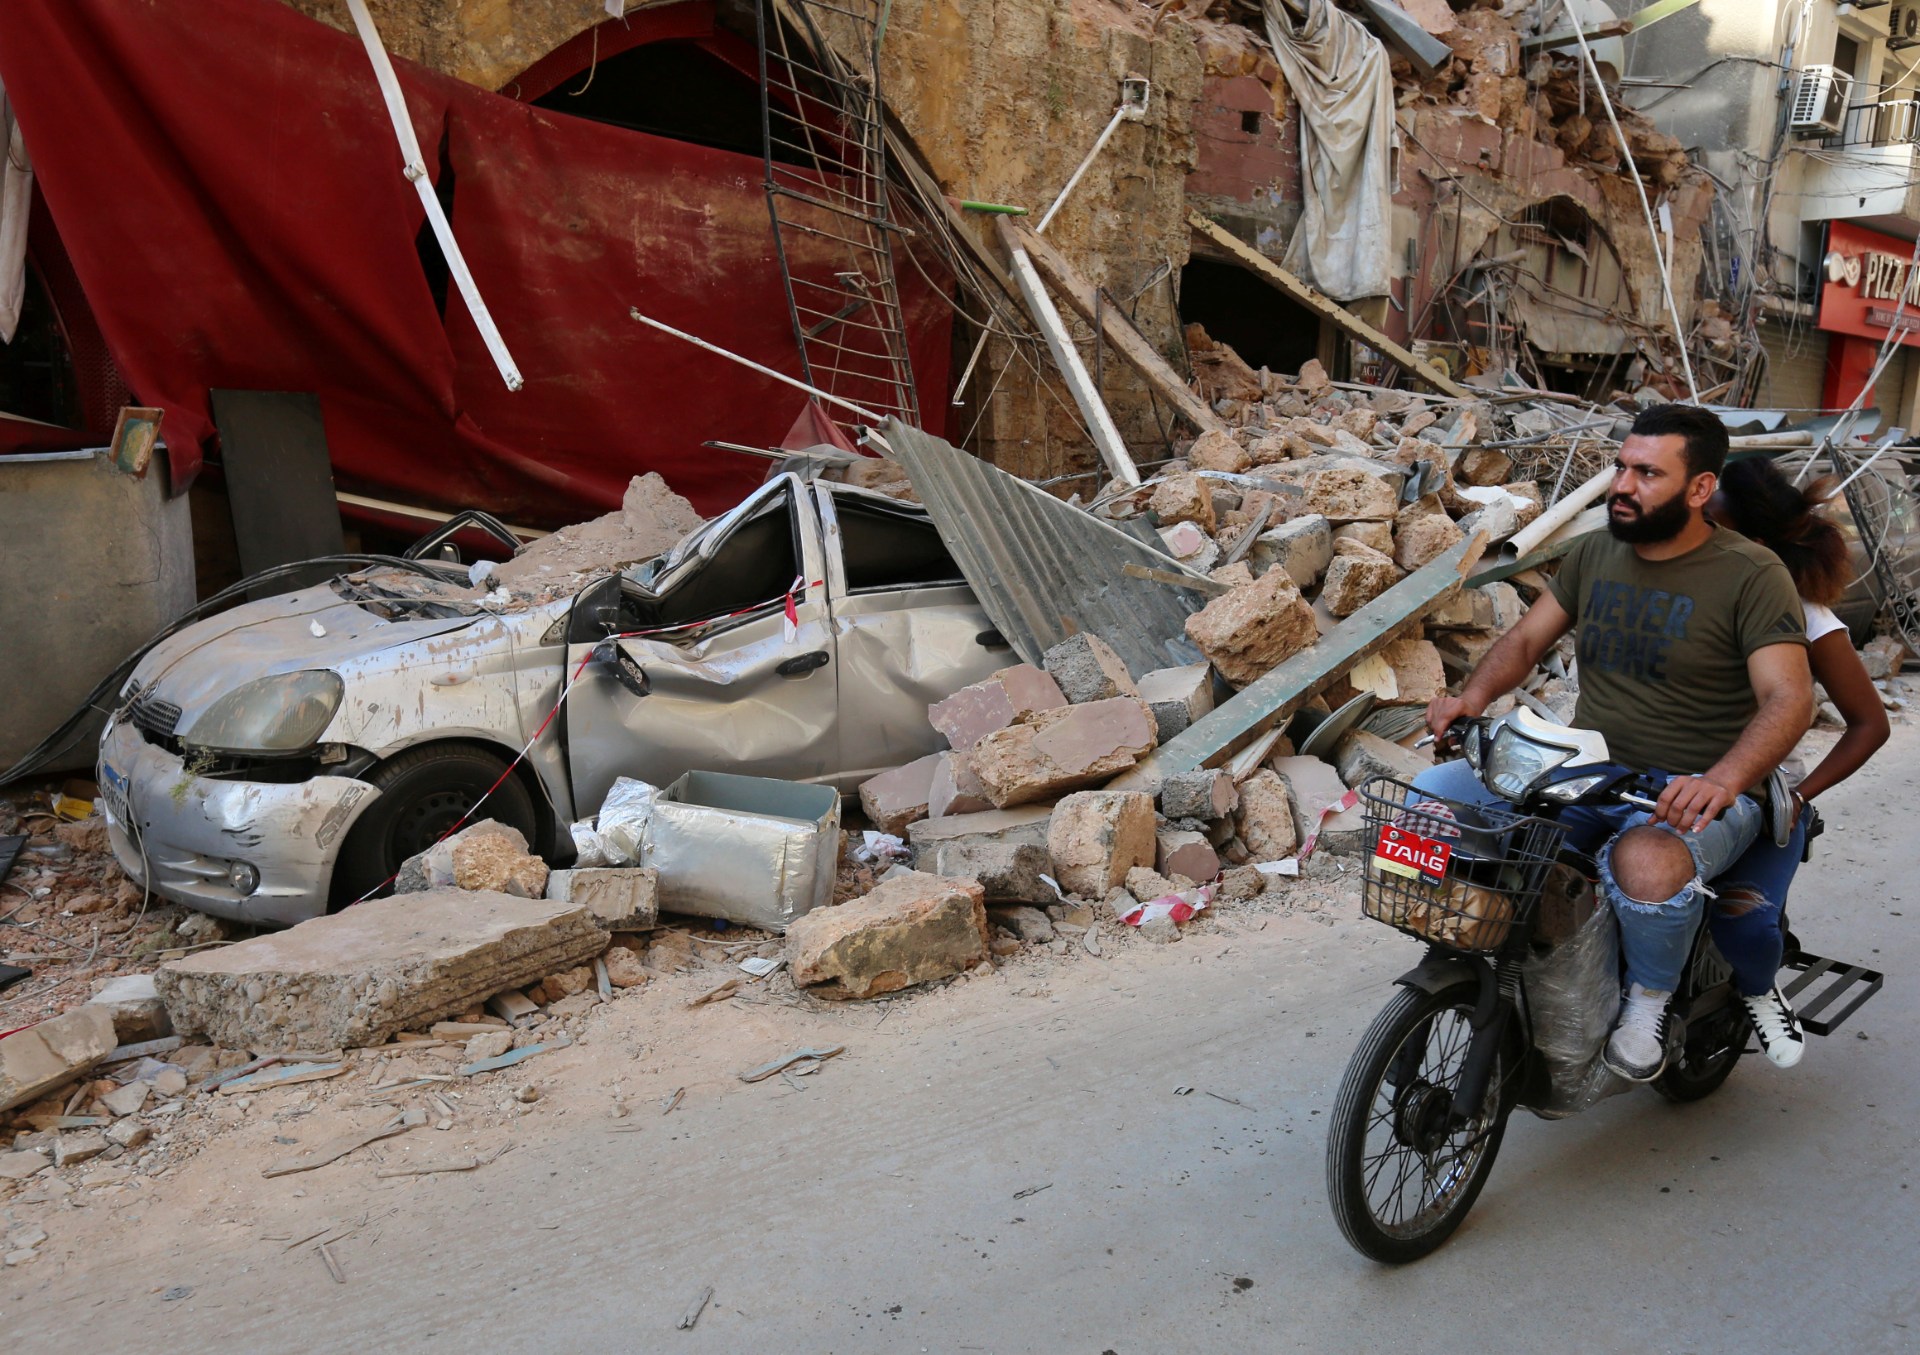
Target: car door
<point x="717" y="677"/>
<point x="907" y="628"/>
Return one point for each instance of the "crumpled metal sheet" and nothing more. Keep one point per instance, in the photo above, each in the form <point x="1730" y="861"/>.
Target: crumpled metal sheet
<point x="1042" y="570"/>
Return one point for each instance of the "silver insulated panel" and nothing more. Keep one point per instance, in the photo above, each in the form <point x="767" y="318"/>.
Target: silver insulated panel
<point x="1044" y="571"/>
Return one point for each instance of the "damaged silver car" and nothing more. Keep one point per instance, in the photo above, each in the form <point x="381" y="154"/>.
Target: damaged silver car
<point x="283" y="758"/>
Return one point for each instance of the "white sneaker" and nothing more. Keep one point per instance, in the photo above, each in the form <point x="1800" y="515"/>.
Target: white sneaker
<point x="1637" y="1049"/>
<point x="1778" y="1028"/>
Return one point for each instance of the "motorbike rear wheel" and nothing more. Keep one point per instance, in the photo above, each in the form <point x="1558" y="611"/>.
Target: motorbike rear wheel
<point x="1401" y="1172"/>
<point x="1706" y="1057"/>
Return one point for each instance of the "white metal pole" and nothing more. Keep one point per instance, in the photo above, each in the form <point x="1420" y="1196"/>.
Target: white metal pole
<point x="415" y="169"/>
<point x="1646" y="208"/>
<point x="1106" y="437"/>
<point x="715" y="348"/>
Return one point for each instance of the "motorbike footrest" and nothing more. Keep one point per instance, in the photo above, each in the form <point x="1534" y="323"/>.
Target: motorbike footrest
<point x="1824" y="992"/>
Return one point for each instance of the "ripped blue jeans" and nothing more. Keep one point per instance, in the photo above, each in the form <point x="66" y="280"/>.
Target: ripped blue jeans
<point x="1655" y="934"/>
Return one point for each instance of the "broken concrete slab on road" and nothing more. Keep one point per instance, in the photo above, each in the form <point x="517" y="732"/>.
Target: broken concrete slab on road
<point x="362" y="975"/>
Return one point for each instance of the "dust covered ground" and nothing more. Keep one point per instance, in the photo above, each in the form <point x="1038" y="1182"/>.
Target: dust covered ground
<point x="1120" y="1152"/>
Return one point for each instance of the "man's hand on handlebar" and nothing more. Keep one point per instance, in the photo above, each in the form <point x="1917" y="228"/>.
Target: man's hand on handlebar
<point x="1690" y="803"/>
<point x="1442" y="711"/>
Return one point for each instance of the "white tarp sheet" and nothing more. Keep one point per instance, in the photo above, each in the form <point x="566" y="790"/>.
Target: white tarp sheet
<point x="1338" y="72"/>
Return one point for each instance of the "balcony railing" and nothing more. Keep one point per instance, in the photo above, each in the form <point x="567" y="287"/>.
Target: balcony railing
<point x="1892" y="123"/>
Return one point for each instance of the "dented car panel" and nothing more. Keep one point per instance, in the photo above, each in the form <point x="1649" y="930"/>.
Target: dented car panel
<point x="193" y="831"/>
<point x="800" y="636"/>
<point x="902" y="641"/>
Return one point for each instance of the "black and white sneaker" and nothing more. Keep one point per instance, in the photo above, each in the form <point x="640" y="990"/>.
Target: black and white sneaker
<point x="1778" y="1028"/>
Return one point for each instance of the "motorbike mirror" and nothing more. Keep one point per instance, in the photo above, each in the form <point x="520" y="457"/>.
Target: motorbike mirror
<point x="615" y="661"/>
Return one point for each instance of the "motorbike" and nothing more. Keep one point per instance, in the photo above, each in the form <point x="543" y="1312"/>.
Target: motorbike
<point x="1517" y="990"/>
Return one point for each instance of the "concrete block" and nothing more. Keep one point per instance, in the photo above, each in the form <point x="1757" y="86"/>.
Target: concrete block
<point x="1265" y="820"/>
<point x="1025" y="922"/>
<point x="1348" y="494"/>
<point x="1207" y="794"/>
<point x="138" y="1013"/>
<point x="1312" y="785"/>
<point x="1302" y="547"/>
<point x="620" y="898"/>
<point x="1009" y="872"/>
<point x="1361" y="756"/>
<point x="488" y="855"/>
<point x="1177" y="697"/>
<point x="1248" y="632"/>
<point x="1422" y="537"/>
<point x="1063" y="750"/>
<point x="1180" y="852"/>
<point x="1353" y="582"/>
<point x="1218" y="451"/>
<point x="1007" y="698"/>
<point x="894" y="799"/>
<point x="1005" y="850"/>
<point x="1483" y="466"/>
<point x="911" y="929"/>
<point x="1183" y="497"/>
<point x="955" y="789"/>
<point x="1097" y="836"/>
<point x="359" y="976"/>
<point x="47" y="1056"/>
<point x="1373" y="535"/>
<point x="1087" y="670"/>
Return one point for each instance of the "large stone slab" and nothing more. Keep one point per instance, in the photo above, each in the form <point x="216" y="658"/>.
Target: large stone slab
<point x="911" y="929"/>
<point x="1178" y="696"/>
<point x="1008" y="697"/>
<point x="46" y="1057"/>
<point x="896" y="798"/>
<point x="1063" y="750"/>
<point x="361" y="975"/>
<point x="1004" y="849"/>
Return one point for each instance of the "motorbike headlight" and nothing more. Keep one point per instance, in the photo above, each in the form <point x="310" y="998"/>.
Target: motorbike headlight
<point x="1566" y="792"/>
<point x="1513" y="764"/>
<point x="1470" y="746"/>
<point x="282" y="714"/>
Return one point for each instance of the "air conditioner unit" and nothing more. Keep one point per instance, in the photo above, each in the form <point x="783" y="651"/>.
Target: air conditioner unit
<point x="1820" y="101"/>
<point x="1903" y="26"/>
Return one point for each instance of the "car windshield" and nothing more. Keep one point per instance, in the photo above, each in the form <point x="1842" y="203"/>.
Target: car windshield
<point x="397" y="593"/>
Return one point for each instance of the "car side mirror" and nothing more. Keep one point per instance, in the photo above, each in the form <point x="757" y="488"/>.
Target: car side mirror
<point x="609" y="658"/>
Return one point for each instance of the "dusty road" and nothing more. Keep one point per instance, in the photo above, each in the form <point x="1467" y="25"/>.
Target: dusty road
<point x="1005" y="1166"/>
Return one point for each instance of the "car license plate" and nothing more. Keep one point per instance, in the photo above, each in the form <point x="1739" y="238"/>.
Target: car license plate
<point x="113" y="795"/>
<point x="1409" y="854"/>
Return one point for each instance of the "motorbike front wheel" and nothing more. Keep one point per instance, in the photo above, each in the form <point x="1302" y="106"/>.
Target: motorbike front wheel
<point x="1402" y="1169"/>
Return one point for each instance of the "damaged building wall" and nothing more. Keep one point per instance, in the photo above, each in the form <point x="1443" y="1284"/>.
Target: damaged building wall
<point x="1003" y="99"/>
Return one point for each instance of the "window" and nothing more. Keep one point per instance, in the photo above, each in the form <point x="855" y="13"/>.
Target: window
<point x="884" y="550"/>
<point x="753" y="568"/>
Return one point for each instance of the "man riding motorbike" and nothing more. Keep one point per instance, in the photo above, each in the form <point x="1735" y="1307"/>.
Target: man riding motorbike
<point x="1692" y="655"/>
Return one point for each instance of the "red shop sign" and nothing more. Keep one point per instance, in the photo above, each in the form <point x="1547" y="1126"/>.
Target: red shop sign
<point x="1863" y="276"/>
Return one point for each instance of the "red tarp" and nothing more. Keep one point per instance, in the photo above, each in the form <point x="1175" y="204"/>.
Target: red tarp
<point x="224" y="177"/>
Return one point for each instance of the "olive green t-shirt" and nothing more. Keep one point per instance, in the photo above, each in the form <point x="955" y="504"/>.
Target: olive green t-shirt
<point x="1662" y="645"/>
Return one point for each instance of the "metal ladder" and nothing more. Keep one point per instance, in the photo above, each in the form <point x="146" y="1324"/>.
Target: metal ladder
<point x="824" y="138"/>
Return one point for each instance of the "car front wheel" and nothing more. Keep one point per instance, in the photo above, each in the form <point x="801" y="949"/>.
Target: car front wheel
<point x="424" y="792"/>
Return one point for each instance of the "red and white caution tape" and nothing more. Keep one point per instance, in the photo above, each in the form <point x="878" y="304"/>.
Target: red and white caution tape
<point x="1339" y="806"/>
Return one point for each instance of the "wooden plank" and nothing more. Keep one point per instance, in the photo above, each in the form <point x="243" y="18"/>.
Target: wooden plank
<point x="335" y="1149"/>
<point x="1257" y="708"/>
<point x="1106" y="437"/>
<point x="1127" y="341"/>
<point x="1294" y="287"/>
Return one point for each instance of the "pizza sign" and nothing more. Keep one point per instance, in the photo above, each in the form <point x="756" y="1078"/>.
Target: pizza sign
<point x="1405" y="853"/>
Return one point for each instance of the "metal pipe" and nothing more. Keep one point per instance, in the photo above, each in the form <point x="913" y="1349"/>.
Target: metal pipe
<point x="715" y="348"/>
<point x="1106" y="437"/>
<point x="415" y="168"/>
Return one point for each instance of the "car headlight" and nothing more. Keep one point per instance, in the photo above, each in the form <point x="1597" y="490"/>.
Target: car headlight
<point x="1514" y="763"/>
<point x="281" y="714"/>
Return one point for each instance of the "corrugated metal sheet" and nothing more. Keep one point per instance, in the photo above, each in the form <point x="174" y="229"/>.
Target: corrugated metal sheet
<point x="1044" y="571"/>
